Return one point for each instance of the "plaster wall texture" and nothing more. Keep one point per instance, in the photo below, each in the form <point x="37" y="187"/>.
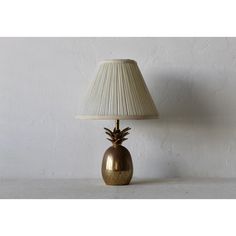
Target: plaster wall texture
<point x="43" y="82"/>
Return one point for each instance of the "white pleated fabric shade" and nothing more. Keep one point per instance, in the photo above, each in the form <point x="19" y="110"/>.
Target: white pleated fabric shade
<point x="119" y="92"/>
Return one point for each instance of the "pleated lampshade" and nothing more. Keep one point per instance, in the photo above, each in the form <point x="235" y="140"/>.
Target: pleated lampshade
<point x="119" y="92"/>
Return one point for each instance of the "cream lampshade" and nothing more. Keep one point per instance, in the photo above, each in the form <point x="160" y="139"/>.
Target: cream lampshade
<point x="118" y="93"/>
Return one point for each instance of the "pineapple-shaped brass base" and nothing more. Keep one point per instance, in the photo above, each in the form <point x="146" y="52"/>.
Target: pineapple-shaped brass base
<point x="117" y="166"/>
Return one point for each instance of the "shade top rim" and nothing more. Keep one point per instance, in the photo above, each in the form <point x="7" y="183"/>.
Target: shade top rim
<point x="118" y="61"/>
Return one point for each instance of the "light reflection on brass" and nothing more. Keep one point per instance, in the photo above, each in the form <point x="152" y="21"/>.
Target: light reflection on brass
<point x="109" y="163"/>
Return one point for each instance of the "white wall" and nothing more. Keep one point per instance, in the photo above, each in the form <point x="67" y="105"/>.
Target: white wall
<point x="43" y="81"/>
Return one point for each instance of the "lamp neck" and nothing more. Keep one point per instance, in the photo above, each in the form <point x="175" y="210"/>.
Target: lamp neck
<point x="117" y="124"/>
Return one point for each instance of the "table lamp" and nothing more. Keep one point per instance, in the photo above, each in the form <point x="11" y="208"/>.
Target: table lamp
<point x="118" y="93"/>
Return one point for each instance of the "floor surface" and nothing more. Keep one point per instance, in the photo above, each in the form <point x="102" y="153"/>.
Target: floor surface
<point x="138" y="189"/>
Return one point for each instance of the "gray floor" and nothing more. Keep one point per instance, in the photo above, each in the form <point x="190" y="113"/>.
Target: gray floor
<point x="95" y="189"/>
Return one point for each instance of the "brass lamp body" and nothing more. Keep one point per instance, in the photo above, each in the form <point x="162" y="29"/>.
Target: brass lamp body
<point x="117" y="166"/>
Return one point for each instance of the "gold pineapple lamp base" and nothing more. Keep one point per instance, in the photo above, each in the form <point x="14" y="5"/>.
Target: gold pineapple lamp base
<point x="117" y="166"/>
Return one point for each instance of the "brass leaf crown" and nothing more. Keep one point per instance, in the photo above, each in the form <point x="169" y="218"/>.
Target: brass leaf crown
<point x="117" y="136"/>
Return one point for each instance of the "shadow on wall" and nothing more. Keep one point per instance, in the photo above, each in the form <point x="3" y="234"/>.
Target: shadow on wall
<point x="182" y="98"/>
<point x="183" y="101"/>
